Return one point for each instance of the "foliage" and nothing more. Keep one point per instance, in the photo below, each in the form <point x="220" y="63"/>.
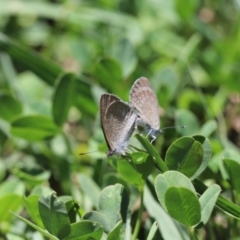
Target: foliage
<point x="57" y="58"/>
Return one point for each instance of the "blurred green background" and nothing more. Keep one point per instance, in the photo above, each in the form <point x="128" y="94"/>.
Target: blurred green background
<point x="58" y="57"/>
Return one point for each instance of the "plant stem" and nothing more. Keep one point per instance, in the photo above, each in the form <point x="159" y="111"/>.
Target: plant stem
<point x="192" y="234"/>
<point x="139" y="217"/>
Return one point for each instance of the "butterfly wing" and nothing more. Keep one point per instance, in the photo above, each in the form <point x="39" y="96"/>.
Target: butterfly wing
<point x="144" y="100"/>
<point x="118" y="122"/>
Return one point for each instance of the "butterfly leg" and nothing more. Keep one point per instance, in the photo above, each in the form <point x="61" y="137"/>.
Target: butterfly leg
<point x="153" y="138"/>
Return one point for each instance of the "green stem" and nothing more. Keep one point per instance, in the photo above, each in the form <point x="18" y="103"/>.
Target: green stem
<point x="192" y="234"/>
<point x="139" y="217"/>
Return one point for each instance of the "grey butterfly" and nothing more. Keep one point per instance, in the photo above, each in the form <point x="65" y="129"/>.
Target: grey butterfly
<point x="144" y="100"/>
<point x="118" y="123"/>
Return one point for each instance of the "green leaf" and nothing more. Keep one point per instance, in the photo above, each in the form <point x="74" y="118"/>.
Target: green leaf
<point x="63" y="97"/>
<point x="207" y="153"/>
<point x="90" y="188"/>
<point x="185" y="155"/>
<point x="42" y="231"/>
<point x="54" y="216"/>
<point x="116" y="232"/>
<point x="71" y="206"/>
<point x="10" y="107"/>
<point x="124" y="52"/>
<point x="31" y="205"/>
<point x="186" y="10"/>
<point x="32" y="176"/>
<point x="129" y="173"/>
<point x="12" y="185"/>
<point x="233" y="169"/>
<point x="113" y="207"/>
<point x="44" y="68"/>
<point x="152" y="231"/>
<point x="152" y="152"/>
<point x="186" y="118"/>
<point x="85" y="99"/>
<point x="169" y="228"/>
<point x="85" y="230"/>
<point x="169" y="84"/>
<point x="10" y="202"/>
<point x="229" y="207"/>
<point x="208" y="128"/>
<point x="208" y="201"/>
<point x="183" y="205"/>
<point x="139" y="157"/>
<point x="34" y="128"/>
<point x="170" y="179"/>
<point x="135" y="174"/>
<point x="108" y="72"/>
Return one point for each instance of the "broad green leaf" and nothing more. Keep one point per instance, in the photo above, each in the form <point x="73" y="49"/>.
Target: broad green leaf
<point x="186" y="118"/>
<point x="170" y="179"/>
<point x="169" y="228"/>
<point x="152" y="152"/>
<point x="10" y="202"/>
<point x="42" y="231"/>
<point x="31" y="205"/>
<point x="90" y="188"/>
<point x="129" y="173"/>
<point x="229" y="207"/>
<point x="228" y="153"/>
<point x="208" y="201"/>
<point x="10" y="107"/>
<point x="185" y="155"/>
<point x="64" y="97"/>
<point x="108" y="72"/>
<point x="116" y="232"/>
<point x="136" y="174"/>
<point x="124" y="52"/>
<point x="54" y="216"/>
<point x="183" y="205"/>
<point x="34" y="128"/>
<point x="207" y="153"/>
<point x="113" y="207"/>
<point x="233" y="169"/>
<point x="85" y="230"/>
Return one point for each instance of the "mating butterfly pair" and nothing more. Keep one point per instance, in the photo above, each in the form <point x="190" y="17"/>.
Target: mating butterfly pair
<point x="119" y="119"/>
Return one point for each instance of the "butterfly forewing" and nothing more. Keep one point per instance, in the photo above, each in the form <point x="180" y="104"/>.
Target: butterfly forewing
<point x="118" y="122"/>
<point x="144" y="100"/>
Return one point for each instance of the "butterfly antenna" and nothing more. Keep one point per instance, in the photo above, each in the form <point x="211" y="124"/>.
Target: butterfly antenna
<point x="81" y="154"/>
<point x="173" y="127"/>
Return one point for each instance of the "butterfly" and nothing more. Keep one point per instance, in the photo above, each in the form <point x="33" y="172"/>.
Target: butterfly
<point x="118" y="122"/>
<point x="144" y="100"/>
